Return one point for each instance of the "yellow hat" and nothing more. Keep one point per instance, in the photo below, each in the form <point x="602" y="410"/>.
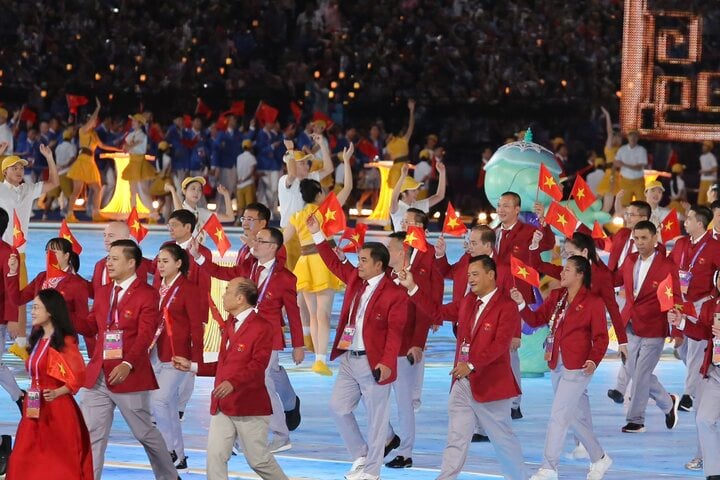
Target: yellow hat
<point x="68" y="133"/>
<point x="301" y="156"/>
<point x="678" y="168"/>
<point x="426" y="153"/>
<point x="163" y="145"/>
<point x="654" y="184"/>
<point x="3" y="113"/>
<point x="189" y="180"/>
<point x="557" y="141"/>
<point x="139" y="117"/>
<point x="12" y="160"/>
<point x="410" y="184"/>
<point x="709" y="144"/>
<point x="599" y="162"/>
<point x="432" y="136"/>
<point x="247" y="143"/>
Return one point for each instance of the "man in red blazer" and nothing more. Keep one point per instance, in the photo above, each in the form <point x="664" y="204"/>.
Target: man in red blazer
<point x="239" y="404"/>
<point x="119" y="374"/>
<point x="647" y="325"/>
<point x="697" y="256"/>
<point x="277" y="292"/>
<point x="483" y="382"/>
<point x="368" y="338"/>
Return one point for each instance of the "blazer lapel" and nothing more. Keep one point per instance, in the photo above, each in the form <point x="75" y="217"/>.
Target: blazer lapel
<point x="374" y="297"/>
<point x="488" y="307"/>
<point x="126" y="297"/>
<point x="651" y="274"/>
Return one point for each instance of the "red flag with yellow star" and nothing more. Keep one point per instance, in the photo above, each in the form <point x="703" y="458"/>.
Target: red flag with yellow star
<point x="561" y="218"/>
<point x="599" y="234"/>
<point x="670" y="227"/>
<point x="524" y="272"/>
<point x="582" y="194"/>
<point x="548" y="184"/>
<point x="52" y="266"/>
<point x="333" y="216"/>
<point x="453" y="226"/>
<point x="59" y="369"/>
<point x="137" y="229"/>
<point x="415" y="238"/>
<point x="18" y="235"/>
<point x="665" y="294"/>
<point x="356" y="236"/>
<point x="67" y="235"/>
<point x="214" y="228"/>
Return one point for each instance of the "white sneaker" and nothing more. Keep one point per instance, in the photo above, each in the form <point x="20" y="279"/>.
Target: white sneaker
<point x="356" y="470"/>
<point x="598" y="469"/>
<point x="366" y="476"/>
<point x="578" y="453"/>
<point x="279" y="445"/>
<point x="545" y="474"/>
<point x="695" y="464"/>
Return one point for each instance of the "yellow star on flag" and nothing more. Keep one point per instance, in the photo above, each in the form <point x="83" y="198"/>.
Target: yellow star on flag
<point x="668" y="225"/>
<point x="330" y="215"/>
<point x="16" y="232"/>
<point x="549" y="182"/>
<point x="410" y="238"/>
<point x="68" y="237"/>
<point x="218" y="234"/>
<point x="356" y="237"/>
<point x="62" y="369"/>
<point x="668" y="292"/>
<point x="561" y="219"/>
<point x="522" y="271"/>
<point x="452" y="223"/>
<point x="580" y="193"/>
<point x="136" y="226"/>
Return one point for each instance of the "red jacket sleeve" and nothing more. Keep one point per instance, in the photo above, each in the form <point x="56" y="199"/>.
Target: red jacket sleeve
<point x="396" y="324"/>
<point x="148" y="320"/>
<point x="292" y="311"/>
<point x="544" y="267"/>
<point x="343" y="270"/>
<point x="598" y="328"/>
<point x="443" y="266"/>
<point x="548" y="239"/>
<point x="224" y="273"/>
<point x="541" y="316"/>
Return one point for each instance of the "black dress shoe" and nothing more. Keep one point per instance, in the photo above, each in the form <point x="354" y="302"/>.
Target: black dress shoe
<point x="686" y="403"/>
<point x="477" y="438"/>
<point x="671" y="418"/>
<point x="713" y="477"/>
<point x="515" y="413"/>
<point x="399" y="462"/>
<point x="633" y="428"/>
<point x="5" y="449"/>
<point x="616" y="396"/>
<point x="292" y="417"/>
<point x="19" y="401"/>
<point x="394" y="443"/>
<point x="181" y="415"/>
<point x="182" y="464"/>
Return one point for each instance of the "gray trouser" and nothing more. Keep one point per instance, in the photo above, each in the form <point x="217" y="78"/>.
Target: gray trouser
<point x="623" y="379"/>
<point x="515" y="365"/>
<point x="355" y="382"/>
<point x="278" y="426"/>
<point x="98" y="408"/>
<point x="252" y="433"/>
<point x="570" y="409"/>
<point x="694" y="360"/>
<point x="283" y="387"/>
<point x="164" y="405"/>
<point x="404" y="388"/>
<point x="707" y="420"/>
<point x="464" y="412"/>
<point x="185" y="391"/>
<point x="419" y="381"/>
<point x="7" y="380"/>
<point x="643" y="356"/>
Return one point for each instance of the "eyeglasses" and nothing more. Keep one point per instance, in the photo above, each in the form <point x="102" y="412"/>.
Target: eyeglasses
<point x="265" y="241"/>
<point x="248" y="219"/>
<point x="629" y="214"/>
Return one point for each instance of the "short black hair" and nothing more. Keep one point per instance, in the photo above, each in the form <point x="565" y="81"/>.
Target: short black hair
<point x="309" y="189"/>
<point x="582" y="265"/>
<point x="646" y="225"/>
<point x="487" y="234"/>
<point x="713" y="206"/>
<point x="398" y="235"/>
<point x="486" y="261"/>
<point x="420" y="216"/>
<point x="378" y="252"/>
<point x="4" y="220"/>
<point x="131" y="250"/>
<point x="643" y="207"/>
<point x="515" y="196"/>
<point x="262" y="210"/>
<point x="177" y="253"/>
<point x="248" y="289"/>
<point x="276" y="236"/>
<point x="585" y="241"/>
<point x="703" y="214"/>
<point x="185" y="217"/>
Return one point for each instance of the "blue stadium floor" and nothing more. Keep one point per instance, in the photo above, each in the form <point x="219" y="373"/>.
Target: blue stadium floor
<point x="318" y="452"/>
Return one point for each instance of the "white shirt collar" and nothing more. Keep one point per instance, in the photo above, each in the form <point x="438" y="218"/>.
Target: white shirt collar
<point x="503" y="227"/>
<point x="267" y="264"/>
<point x="184" y="245"/>
<point x="126" y="283"/>
<point x="485" y="299"/>
<point x="16" y="188"/>
<point x="172" y="282"/>
<point x="242" y="316"/>
<point x="186" y="206"/>
<point x="695" y="242"/>
<point x="372" y="282"/>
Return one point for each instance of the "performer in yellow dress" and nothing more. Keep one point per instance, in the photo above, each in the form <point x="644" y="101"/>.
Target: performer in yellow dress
<point x="398" y="147"/>
<point x="314" y="280"/>
<point x="84" y="171"/>
<point x="139" y="171"/>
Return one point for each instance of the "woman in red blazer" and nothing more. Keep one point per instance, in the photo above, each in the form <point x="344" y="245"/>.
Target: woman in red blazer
<point x="181" y="333"/>
<point x="71" y="286"/>
<point x="576" y="344"/>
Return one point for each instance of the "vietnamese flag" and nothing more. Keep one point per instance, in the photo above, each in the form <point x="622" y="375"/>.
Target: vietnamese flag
<point x="453" y="226"/>
<point x="18" y="235"/>
<point x="415" y="237"/>
<point x="524" y="272"/>
<point x="266" y="113"/>
<point x="670" y="226"/>
<point x="665" y="294"/>
<point x="137" y="229"/>
<point x="296" y="111"/>
<point x="599" y="234"/>
<point x="75" y="101"/>
<point x="584" y="197"/>
<point x="67" y="235"/>
<point x="58" y="368"/>
<point x="561" y="218"/>
<point x="169" y="329"/>
<point x="333" y="216"/>
<point x="215" y="229"/>
<point x="222" y="123"/>
<point x="203" y="109"/>
<point x="548" y="184"/>
<point x="52" y="266"/>
<point x="356" y="236"/>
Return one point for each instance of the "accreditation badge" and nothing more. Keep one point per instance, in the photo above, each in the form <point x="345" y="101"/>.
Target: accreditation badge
<point x="32" y="409"/>
<point x="113" y="345"/>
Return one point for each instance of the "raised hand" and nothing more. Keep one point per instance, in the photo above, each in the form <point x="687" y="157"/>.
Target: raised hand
<point x="440" y="247"/>
<point x="516" y="296"/>
<point x="312" y="224"/>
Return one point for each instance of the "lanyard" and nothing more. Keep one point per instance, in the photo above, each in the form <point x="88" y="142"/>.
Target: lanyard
<point x="695" y="257"/>
<point x="175" y="288"/>
<point x="34" y="371"/>
<point x="558" y="312"/>
<point x="265" y="283"/>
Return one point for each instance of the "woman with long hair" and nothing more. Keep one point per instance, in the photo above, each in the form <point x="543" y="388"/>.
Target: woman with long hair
<point x="316" y="283"/>
<point x="52" y="440"/>
<point x="575" y="345"/>
<point x="180" y="333"/>
<point x="62" y="278"/>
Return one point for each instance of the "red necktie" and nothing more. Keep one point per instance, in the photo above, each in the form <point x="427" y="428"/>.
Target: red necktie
<point x="478" y="304"/>
<point x="114" y="305"/>
<point x="256" y="275"/>
<point x="356" y="303"/>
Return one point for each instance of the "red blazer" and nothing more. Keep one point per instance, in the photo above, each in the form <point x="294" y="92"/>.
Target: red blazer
<point x="702" y="330"/>
<point x="8" y="309"/>
<point x="146" y="266"/>
<point x="618" y="244"/>
<point x="492" y="378"/>
<point x="195" y="276"/>
<point x="431" y="282"/>
<point x="281" y="292"/>
<point x="644" y="311"/>
<point x="187" y="322"/>
<point x="139" y="318"/>
<point x="242" y="364"/>
<point x="601" y="285"/>
<point x="582" y="335"/>
<point x="385" y="315"/>
<point x="707" y="263"/>
<point x="74" y="290"/>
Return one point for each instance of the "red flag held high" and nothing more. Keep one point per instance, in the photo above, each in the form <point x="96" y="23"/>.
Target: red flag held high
<point x="266" y="114"/>
<point x="524" y="272"/>
<point x="68" y="235"/>
<point x="548" y="184"/>
<point x="561" y="218"/>
<point x="415" y="237"/>
<point x="237" y="108"/>
<point x="599" y="234"/>
<point x="203" y="109"/>
<point x="453" y="225"/>
<point x="333" y="215"/>
<point x="670" y="227"/>
<point x="52" y="266"/>
<point x="215" y="229"/>
<point x="582" y="194"/>
<point x="137" y="229"/>
<point x="75" y="101"/>
<point x="356" y="236"/>
<point x="18" y="235"/>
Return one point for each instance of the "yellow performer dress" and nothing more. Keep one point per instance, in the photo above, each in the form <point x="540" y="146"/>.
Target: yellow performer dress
<point x="310" y="270"/>
<point x="139" y="169"/>
<point x="84" y="168"/>
<point x="603" y="187"/>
